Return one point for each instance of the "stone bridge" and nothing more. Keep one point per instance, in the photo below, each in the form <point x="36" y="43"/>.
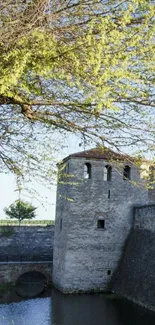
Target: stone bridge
<point x="24" y="249"/>
<point x="11" y="271"/>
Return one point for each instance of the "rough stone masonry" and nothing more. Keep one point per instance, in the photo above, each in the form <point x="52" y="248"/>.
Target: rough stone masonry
<point x="94" y="216"/>
<point x="24" y="249"/>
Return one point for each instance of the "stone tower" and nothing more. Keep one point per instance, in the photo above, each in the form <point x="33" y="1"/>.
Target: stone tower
<point x="94" y="213"/>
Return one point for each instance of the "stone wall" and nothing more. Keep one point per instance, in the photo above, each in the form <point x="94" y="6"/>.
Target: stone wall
<point x="135" y="276"/>
<point x="144" y="217"/>
<point x="26" y="243"/>
<point x="86" y="257"/>
<point x="10" y="272"/>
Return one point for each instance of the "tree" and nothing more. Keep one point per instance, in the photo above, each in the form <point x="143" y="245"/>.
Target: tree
<point x="77" y="66"/>
<point x="20" y="210"/>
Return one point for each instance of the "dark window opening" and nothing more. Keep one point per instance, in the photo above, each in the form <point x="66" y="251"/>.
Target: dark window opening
<point x="101" y="223"/>
<point x="66" y="169"/>
<point x="60" y="224"/>
<point x="107" y="173"/>
<point x="126" y="172"/>
<point x="87" y="171"/>
<point x="109" y="272"/>
<point x="152" y="173"/>
<point x="109" y="194"/>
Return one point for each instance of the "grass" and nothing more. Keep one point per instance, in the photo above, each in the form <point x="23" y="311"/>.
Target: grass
<point x="5" y="222"/>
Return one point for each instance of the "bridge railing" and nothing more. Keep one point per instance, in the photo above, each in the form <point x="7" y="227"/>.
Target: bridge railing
<point x="25" y="258"/>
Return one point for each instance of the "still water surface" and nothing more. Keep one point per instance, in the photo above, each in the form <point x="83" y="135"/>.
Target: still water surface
<point x="59" y="309"/>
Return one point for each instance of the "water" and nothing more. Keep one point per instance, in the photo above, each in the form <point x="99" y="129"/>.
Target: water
<point x="59" y="309"/>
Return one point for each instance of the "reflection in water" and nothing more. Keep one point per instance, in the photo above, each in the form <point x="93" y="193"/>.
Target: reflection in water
<point x="74" y="310"/>
<point x="83" y="310"/>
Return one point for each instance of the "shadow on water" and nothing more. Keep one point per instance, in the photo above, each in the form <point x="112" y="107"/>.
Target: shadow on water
<point x="54" y="308"/>
<point x="97" y="310"/>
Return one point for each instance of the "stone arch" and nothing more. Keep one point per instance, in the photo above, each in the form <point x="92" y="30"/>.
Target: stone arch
<point x="31" y="284"/>
<point x="107" y="173"/>
<point x="10" y="272"/>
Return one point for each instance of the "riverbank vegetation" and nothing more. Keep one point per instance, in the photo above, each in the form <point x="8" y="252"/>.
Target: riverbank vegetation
<point x="5" y="222"/>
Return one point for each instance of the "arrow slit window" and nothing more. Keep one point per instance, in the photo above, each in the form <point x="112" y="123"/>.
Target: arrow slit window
<point x="87" y="170"/>
<point x="107" y="173"/>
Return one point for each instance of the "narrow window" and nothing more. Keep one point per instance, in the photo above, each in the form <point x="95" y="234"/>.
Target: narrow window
<point x="126" y="172"/>
<point x="66" y="169"/>
<point x="152" y="173"/>
<point x="107" y="173"/>
<point x="87" y="171"/>
<point x="101" y="223"/>
<point x="109" y="272"/>
<point x="60" y="224"/>
<point x="108" y="194"/>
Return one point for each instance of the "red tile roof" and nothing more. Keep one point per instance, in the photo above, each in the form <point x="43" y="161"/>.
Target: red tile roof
<point x="100" y="153"/>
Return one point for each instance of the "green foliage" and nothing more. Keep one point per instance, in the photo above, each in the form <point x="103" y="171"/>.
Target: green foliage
<point x="112" y="56"/>
<point x="20" y="210"/>
<point x="85" y="67"/>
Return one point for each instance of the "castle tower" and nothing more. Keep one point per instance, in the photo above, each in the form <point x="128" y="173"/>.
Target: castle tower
<point x="95" y="199"/>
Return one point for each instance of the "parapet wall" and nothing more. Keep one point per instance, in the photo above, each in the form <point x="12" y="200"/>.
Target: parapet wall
<point x="10" y="272"/>
<point x="135" y="276"/>
<point x="26" y="243"/>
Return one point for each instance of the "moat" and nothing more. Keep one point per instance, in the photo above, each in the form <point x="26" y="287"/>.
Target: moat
<point x="54" y="308"/>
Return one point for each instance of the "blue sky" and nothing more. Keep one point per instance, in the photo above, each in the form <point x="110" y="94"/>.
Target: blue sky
<point x="46" y="200"/>
<point x="46" y="205"/>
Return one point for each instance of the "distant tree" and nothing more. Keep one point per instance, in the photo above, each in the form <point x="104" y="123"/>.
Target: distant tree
<point x="20" y="210"/>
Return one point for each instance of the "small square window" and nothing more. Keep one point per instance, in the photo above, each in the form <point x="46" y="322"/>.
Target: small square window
<point x="101" y="223"/>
